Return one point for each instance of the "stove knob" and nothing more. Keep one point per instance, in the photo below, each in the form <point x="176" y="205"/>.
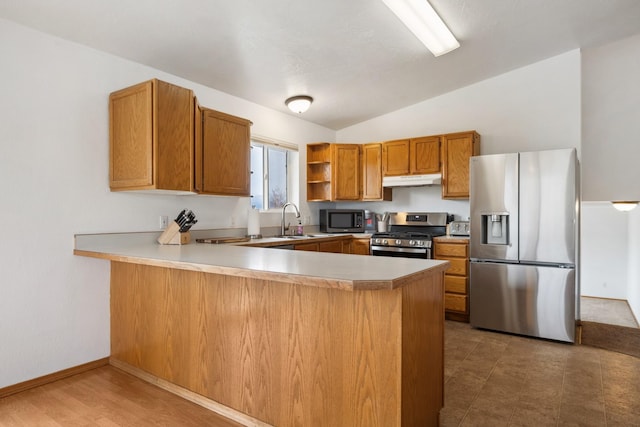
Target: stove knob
<point x="419" y="243"/>
<point x="398" y="242"/>
<point x="384" y="242"/>
<point x="412" y="242"/>
<point x="376" y="241"/>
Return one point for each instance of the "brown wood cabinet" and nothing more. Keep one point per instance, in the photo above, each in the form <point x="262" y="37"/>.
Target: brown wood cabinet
<point x="456" y="278"/>
<point x="223" y="153"/>
<point x="319" y="172"/>
<point x="339" y="246"/>
<point x="151" y="135"/>
<point x="414" y="156"/>
<point x="457" y="149"/>
<point x="311" y="246"/>
<point x="395" y="157"/>
<point x="372" y="174"/>
<point x="360" y="246"/>
<point x="424" y="155"/>
<point x="345" y="172"/>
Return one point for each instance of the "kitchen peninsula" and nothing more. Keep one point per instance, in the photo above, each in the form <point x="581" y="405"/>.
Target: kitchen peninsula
<point x="279" y="337"/>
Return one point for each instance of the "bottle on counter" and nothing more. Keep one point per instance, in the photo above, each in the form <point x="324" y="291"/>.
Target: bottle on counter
<point x="299" y="229"/>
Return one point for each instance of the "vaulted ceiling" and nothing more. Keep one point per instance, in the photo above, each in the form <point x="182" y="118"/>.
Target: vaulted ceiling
<point x="354" y="57"/>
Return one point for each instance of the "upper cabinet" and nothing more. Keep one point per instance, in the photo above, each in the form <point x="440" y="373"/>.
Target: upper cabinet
<point x="160" y="139"/>
<point x="414" y="156"/>
<point x="151" y="134"/>
<point x="372" y="173"/>
<point x="345" y="172"/>
<point x="333" y="172"/>
<point x="395" y="157"/>
<point x="457" y="149"/>
<point x="319" y="172"/>
<point x="223" y="153"/>
<point x="424" y="155"/>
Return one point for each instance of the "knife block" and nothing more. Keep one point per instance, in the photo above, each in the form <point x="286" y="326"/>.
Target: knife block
<point x="172" y="236"/>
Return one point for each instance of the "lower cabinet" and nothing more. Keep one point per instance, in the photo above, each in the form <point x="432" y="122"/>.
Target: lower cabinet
<point x="338" y="246"/>
<point x="360" y="246"/>
<point x="313" y="246"/>
<point x="456" y="278"/>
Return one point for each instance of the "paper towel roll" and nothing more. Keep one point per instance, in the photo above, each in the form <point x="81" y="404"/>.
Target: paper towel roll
<point x="253" y="226"/>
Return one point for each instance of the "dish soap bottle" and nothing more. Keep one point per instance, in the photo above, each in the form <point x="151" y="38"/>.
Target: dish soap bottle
<point x="299" y="229"/>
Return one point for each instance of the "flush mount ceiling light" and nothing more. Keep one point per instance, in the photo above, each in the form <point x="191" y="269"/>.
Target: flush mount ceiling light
<point x="425" y="24"/>
<point x="299" y="104"/>
<point x="625" y="205"/>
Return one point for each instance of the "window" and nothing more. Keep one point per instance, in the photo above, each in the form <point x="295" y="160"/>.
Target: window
<point x="274" y="174"/>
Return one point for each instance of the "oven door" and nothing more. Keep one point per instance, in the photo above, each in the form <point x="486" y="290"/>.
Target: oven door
<point x="423" y="253"/>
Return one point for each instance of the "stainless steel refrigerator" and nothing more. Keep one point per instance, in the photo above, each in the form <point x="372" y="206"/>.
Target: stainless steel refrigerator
<point x="524" y="246"/>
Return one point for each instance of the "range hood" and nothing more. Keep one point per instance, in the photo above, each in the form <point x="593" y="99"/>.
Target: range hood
<point x="412" y="180"/>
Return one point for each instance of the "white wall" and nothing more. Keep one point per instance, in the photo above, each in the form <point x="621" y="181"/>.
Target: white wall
<point x="611" y="121"/>
<point x="611" y="147"/>
<point x="532" y="108"/>
<point x="633" y="284"/>
<point x="54" y="307"/>
<point x="604" y="248"/>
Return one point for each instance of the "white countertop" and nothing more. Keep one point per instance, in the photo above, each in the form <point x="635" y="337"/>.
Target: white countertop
<point x="343" y="271"/>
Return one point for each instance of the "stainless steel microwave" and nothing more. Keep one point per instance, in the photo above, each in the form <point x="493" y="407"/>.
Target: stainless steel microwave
<point x="342" y="220"/>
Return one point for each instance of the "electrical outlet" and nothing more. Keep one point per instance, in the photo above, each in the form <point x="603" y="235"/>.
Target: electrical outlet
<point x="164" y="222"/>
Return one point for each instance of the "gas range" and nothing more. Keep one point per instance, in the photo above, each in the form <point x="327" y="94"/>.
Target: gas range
<point x="405" y="239"/>
<point x="409" y="234"/>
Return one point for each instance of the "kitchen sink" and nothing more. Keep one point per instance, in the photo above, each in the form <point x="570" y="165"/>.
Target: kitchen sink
<point x="305" y="236"/>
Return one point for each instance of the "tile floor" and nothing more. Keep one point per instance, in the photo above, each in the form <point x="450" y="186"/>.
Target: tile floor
<point x="494" y="379"/>
<point x="609" y="311"/>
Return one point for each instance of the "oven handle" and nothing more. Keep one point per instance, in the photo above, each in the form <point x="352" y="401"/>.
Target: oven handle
<point x="395" y="249"/>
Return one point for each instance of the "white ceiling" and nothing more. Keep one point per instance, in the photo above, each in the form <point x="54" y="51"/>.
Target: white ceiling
<point x="353" y="56"/>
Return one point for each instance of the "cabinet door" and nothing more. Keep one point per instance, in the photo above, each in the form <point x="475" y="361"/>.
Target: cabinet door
<point x="306" y="247"/>
<point x="425" y="155"/>
<point x="151" y="137"/>
<point x="457" y="149"/>
<point x="372" y="172"/>
<point x="131" y="137"/>
<point x="334" y="246"/>
<point x="395" y="157"/>
<point x="345" y="171"/>
<point x="225" y="154"/>
<point x="175" y="137"/>
<point x="360" y="246"/>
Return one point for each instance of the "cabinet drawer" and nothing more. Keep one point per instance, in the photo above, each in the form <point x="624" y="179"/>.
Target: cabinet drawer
<point x="455" y="284"/>
<point x="451" y="249"/>
<point x="458" y="267"/>
<point x="307" y="247"/>
<point x="455" y="302"/>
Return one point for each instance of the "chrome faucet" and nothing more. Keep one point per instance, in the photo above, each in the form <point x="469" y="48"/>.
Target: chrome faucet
<point x="282" y="228"/>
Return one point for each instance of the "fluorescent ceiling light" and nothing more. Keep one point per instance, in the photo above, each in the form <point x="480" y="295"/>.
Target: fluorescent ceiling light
<point x="625" y="205"/>
<point x="299" y="104"/>
<point x="424" y="22"/>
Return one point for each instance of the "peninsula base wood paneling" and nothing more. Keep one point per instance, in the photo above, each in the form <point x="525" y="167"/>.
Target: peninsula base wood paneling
<point x="288" y="355"/>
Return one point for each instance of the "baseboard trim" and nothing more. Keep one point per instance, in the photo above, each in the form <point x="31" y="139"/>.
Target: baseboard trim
<point x="189" y="395"/>
<point x="46" y="379"/>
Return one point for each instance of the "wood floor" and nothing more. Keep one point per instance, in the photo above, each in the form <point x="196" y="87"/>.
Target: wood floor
<point x="105" y="396"/>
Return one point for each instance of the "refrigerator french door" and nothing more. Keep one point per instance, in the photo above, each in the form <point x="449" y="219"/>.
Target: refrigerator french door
<point x="524" y="243"/>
